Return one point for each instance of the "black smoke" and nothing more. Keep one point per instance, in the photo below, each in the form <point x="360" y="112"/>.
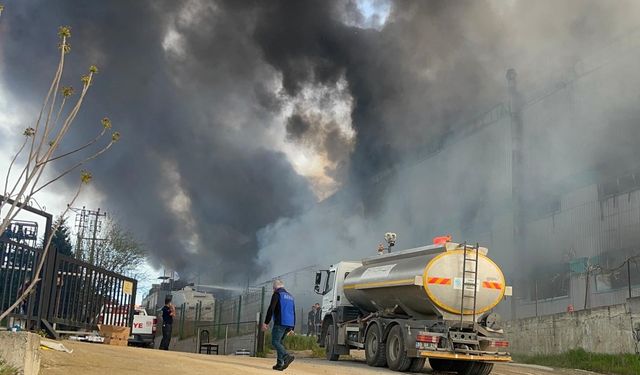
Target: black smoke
<point x="198" y="116"/>
<point x="198" y="112"/>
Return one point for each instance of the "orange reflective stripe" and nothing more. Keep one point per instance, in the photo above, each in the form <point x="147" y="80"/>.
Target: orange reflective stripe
<point x="491" y="285"/>
<point x="439" y="280"/>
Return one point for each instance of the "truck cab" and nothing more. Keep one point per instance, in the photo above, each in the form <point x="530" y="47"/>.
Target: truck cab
<point x="330" y="283"/>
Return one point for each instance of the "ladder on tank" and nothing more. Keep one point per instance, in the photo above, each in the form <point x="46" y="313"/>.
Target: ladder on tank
<point x="469" y="280"/>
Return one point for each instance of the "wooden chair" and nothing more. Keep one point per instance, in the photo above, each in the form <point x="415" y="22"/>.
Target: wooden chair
<point x="205" y="344"/>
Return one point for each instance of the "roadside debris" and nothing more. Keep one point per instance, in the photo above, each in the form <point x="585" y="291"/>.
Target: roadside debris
<point x="55" y="346"/>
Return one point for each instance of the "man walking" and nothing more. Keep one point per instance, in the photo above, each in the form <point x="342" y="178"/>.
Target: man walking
<point x="168" y="312"/>
<point x="283" y="310"/>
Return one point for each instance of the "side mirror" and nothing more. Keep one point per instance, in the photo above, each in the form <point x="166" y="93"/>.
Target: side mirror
<point x="318" y="281"/>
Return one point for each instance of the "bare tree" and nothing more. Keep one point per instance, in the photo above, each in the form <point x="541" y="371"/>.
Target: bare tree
<point x="40" y="148"/>
<point x="119" y="251"/>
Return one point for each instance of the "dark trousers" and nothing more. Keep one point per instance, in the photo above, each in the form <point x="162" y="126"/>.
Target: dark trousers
<point x="166" y="337"/>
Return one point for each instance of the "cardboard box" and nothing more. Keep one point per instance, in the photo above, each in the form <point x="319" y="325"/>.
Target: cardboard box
<point x="115" y="335"/>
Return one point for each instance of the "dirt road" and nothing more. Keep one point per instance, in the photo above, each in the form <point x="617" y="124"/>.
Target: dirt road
<point x="105" y="359"/>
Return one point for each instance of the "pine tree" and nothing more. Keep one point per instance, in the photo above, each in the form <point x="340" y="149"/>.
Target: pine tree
<point x="61" y="239"/>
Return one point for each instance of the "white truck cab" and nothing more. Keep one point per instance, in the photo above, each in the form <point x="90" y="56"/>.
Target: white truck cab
<point x="330" y="282"/>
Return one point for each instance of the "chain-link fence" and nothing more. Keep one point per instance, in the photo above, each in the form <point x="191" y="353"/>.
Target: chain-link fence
<point x="232" y="322"/>
<point x="239" y="338"/>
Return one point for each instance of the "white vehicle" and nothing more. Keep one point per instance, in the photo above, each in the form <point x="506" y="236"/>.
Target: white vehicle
<point x="143" y="332"/>
<point x="433" y="302"/>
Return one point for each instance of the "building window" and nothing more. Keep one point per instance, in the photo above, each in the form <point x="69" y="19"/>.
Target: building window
<point x="552" y="282"/>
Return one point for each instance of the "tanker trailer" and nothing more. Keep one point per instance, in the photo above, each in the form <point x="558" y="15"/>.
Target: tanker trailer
<point x="432" y="302"/>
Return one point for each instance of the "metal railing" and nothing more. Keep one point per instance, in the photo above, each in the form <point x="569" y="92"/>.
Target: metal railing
<point x="71" y="293"/>
<point x="86" y="295"/>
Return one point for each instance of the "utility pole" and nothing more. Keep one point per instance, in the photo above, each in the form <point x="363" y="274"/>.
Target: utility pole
<point x="88" y="225"/>
<point x="516" y="105"/>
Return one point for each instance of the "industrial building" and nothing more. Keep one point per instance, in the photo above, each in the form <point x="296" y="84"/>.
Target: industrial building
<point x="198" y="305"/>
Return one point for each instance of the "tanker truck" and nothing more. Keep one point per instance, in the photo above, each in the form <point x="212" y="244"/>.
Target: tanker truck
<point x="403" y="307"/>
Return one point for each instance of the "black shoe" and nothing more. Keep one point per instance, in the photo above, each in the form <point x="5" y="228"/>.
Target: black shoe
<point x="277" y="367"/>
<point x="287" y="361"/>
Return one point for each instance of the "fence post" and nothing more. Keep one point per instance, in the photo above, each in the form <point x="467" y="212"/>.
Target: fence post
<point x="219" y="320"/>
<point x="133" y="303"/>
<point x="262" y="304"/>
<point x="239" y="312"/>
<point x="48" y="275"/>
<point x="216" y="318"/>
<point x="226" y="336"/>
<point x="182" y="317"/>
<point x="260" y="338"/>
<point x="536" y="295"/>
<point x="629" y="275"/>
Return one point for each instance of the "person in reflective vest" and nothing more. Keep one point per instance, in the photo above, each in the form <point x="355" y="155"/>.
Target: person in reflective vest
<point x="283" y="311"/>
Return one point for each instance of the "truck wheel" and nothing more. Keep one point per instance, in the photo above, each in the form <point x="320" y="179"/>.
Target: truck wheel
<point x="474" y="368"/>
<point x="485" y="368"/>
<point x="443" y="365"/>
<point x="397" y="358"/>
<point x="329" y="343"/>
<point x="417" y="364"/>
<point x="374" y="348"/>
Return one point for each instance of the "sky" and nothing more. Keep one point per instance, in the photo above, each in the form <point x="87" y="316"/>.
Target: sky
<point x="238" y="117"/>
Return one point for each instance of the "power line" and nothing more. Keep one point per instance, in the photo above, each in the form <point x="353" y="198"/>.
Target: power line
<point x="88" y="225"/>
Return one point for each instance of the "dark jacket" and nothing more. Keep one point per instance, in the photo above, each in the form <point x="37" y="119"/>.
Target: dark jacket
<point x="166" y="315"/>
<point x="277" y="309"/>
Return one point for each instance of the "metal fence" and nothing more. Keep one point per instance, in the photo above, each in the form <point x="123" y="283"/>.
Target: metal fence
<point x="71" y="294"/>
<point x="86" y="295"/>
<point x="17" y="268"/>
<point x="232" y="338"/>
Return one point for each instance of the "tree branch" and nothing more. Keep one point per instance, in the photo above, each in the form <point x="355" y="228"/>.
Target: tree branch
<point x="6" y="181"/>
<point x="94" y="140"/>
<point x="77" y="165"/>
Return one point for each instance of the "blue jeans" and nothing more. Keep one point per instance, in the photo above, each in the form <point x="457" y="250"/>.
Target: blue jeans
<point x="278" y="333"/>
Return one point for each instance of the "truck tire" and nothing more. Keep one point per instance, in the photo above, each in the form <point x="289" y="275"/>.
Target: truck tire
<point x="474" y="368"/>
<point x="397" y="358"/>
<point x="417" y="364"/>
<point x="374" y="348"/>
<point x="443" y="365"/>
<point x="484" y="368"/>
<point x="329" y="343"/>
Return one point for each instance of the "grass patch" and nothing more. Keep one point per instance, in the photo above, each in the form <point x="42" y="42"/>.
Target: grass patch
<point x="622" y="364"/>
<point x="295" y="343"/>
<point x="6" y="369"/>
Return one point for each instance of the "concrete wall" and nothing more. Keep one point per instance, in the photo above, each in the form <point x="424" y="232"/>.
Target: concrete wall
<point x="21" y="350"/>
<point x="602" y="330"/>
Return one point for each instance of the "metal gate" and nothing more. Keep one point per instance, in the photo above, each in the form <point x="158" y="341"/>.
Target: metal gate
<point x="71" y="293"/>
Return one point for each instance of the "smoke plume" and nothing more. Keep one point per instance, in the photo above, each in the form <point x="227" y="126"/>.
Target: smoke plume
<point x="237" y="116"/>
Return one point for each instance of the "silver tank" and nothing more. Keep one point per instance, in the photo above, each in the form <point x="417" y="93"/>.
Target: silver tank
<point x="426" y="282"/>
